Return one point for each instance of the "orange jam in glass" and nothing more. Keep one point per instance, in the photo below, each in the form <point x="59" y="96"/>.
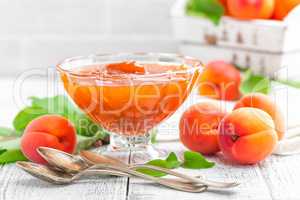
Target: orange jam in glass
<point x="129" y="98"/>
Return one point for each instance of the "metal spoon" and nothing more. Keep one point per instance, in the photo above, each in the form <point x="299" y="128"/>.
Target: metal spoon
<point x="64" y="161"/>
<point x="95" y="158"/>
<point x="50" y="175"/>
<point x="73" y="164"/>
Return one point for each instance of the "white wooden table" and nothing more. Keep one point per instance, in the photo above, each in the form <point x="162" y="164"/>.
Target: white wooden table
<point x="275" y="178"/>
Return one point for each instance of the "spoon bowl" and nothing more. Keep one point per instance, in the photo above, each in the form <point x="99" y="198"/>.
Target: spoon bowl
<point x="67" y="162"/>
<point x="44" y="173"/>
<point x="50" y="175"/>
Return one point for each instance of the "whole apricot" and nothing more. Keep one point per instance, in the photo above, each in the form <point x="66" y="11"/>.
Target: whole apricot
<point x="283" y="7"/>
<point x="265" y="103"/>
<point x="247" y="135"/>
<point x="220" y="80"/>
<point x="199" y="127"/>
<point x="52" y="131"/>
<point x="251" y="9"/>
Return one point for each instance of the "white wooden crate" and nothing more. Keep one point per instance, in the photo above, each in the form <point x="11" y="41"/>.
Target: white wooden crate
<point x="267" y="46"/>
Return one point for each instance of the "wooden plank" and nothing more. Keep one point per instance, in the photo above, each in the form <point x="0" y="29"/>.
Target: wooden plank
<point x="16" y="184"/>
<point x="282" y="175"/>
<point x="253" y="185"/>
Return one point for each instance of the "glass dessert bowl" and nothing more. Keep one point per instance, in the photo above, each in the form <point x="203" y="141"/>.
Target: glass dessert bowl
<point x="129" y="94"/>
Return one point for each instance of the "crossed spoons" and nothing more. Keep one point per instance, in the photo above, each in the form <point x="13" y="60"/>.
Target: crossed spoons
<point x="66" y="168"/>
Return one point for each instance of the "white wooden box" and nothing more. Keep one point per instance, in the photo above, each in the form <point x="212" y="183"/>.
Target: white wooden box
<point x="269" y="47"/>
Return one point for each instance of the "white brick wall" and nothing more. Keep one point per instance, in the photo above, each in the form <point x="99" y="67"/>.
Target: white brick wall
<point x="35" y="33"/>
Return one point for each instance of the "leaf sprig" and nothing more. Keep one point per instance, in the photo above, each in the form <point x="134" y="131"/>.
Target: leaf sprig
<point x="211" y="9"/>
<point x="192" y="160"/>
<point x="59" y="105"/>
<point x="255" y="83"/>
<point x="88" y="132"/>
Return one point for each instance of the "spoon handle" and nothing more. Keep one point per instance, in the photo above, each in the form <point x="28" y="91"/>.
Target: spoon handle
<point x="93" y="158"/>
<point x="168" y="183"/>
<point x="190" y="179"/>
<point x="92" y="172"/>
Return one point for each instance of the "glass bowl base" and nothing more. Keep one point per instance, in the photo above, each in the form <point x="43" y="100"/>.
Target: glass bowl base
<point x="137" y="148"/>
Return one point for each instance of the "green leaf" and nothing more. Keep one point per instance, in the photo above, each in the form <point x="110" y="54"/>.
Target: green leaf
<point x="63" y="106"/>
<point x="172" y="157"/>
<point x="27" y="115"/>
<point x="10" y="146"/>
<point x="171" y="162"/>
<point x="2" y="151"/>
<point x="211" y="9"/>
<point x="84" y="142"/>
<point x="194" y="160"/>
<point x="56" y="105"/>
<point x="255" y="83"/>
<point x="12" y="152"/>
<point x="153" y="134"/>
<point x="158" y="163"/>
<point x="59" y="105"/>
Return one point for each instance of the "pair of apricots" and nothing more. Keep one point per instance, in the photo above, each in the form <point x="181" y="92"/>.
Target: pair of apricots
<point x="247" y="135"/>
<point x="259" y="9"/>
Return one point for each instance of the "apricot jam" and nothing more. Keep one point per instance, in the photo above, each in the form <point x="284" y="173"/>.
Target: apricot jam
<point x="129" y="98"/>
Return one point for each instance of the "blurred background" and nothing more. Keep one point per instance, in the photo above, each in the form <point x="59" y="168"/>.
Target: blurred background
<point x="38" y="34"/>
